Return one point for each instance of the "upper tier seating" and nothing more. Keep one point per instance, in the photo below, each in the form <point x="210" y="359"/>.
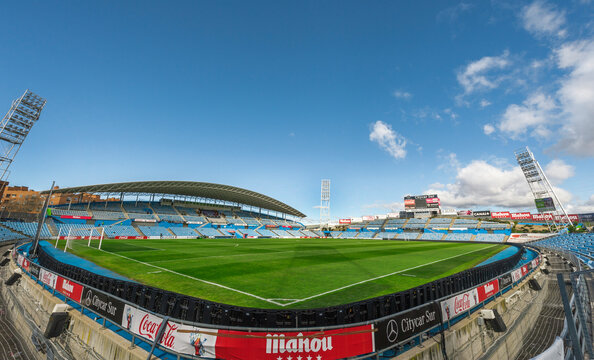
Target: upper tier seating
<point x="163" y="209"/>
<point x="108" y="215"/>
<point x="493" y="225"/>
<point x="170" y="218"/>
<point x="59" y="212"/>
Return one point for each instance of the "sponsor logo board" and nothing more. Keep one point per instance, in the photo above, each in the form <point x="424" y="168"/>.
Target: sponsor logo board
<point x="105" y="305"/>
<point x="505" y="281"/>
<point x="500" y="215"/>
<point x="459" y="304"/>
<point x="344" y="221"/>
<point x="368" y="218"/>
<point x="521" y="216"/>
<point x="516" y="275"/>
<point x="325" y="345"/>
<point x="487" y="290"/>
<point x="69" y="288"/>
<point x="75" y="217"/>
<point x="188" y="340"/>
<point x="482" y="213"/>
<point x="34" y="270"/>
<point x="406" y="325"/>
<point x="48" y="278"/>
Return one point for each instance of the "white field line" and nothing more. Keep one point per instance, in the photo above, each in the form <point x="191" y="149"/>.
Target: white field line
<point x="197" y="279"/>
<point x="380" y="277"/>
<point x="225" y="256"/>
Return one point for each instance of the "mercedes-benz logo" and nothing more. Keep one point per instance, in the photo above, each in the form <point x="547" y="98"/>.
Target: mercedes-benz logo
<point x="392" y="330"/>
<point x="88" y="299"/>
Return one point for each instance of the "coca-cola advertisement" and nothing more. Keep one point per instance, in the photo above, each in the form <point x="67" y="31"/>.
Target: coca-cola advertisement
<point x="48" y="278"/>
<point x="459" y="304"/>
<point x="487" y="290"/>
<point x="313" y="345"/>
<point x="69" y="288"/>
<point x="516" y="275"/>
<point x="500" y="215"/>
<point x="188" y="340"/>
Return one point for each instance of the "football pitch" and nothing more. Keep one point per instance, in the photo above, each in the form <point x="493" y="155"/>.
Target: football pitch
<point x="284" y="273"/>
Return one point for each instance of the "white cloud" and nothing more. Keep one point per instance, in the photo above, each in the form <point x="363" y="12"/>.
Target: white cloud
<point x="488" y="129"/>
<point x="558" y="171"/>
<point x="484" y="103"/>
<point x="540" y="18"/>
<point x="478" y="74"/>
<point x="388" y="139"/>
<point x="535" y="113"/>
<point x="452" y="114"/>
<point x="576" y="96"/>
<point x="484" y="184"/>
<point x="400" y="94"/>
<point x="581" y="207"/>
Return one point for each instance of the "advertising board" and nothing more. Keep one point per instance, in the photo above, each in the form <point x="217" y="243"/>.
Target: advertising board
<point x="48" y="278"/>
<point x="487" y="290"/>
<point x="481" y="213"/>
<point x="505" y="281"/>
<point x="405" y="325"/>
<point x="69" y="288"/>
<point x="104" y="305"/>
<point x="75" y="217"/>
<point x="344" y="221"/>
<point x="459" y="304"/>
<point x="500" y="215"/>
<point x="521" y="216"/>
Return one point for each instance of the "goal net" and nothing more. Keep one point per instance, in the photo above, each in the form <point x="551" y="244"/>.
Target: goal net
<point x="81" y="236"/>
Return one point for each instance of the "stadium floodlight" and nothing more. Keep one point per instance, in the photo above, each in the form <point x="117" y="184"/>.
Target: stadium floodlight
<point x="547" y="202"/>
<point x="15" y="127"/>
<point x="325" y="203"/>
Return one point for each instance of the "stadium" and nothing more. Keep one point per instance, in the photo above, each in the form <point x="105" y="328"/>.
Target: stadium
<point x="183" y="269"/>
<point x="313" y="180"/>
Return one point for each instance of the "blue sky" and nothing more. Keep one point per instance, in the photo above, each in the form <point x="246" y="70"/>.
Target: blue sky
<point x="383" y="98"/>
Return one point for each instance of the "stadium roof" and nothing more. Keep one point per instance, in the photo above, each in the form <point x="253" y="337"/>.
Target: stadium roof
<point x="188" y="188"/>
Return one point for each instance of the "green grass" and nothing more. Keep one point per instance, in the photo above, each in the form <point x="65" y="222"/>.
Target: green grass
<point x="299" y="269"/>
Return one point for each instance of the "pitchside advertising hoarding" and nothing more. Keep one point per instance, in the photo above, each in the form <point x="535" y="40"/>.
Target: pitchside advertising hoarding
<point x="461" y="303"/>
<point x="406" y="325"/>
<point x="481" y="213"/>
<point x="242" y="345"/>
<point x="69" y="288"/>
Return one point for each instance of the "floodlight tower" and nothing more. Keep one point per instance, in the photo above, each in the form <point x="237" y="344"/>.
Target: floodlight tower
<point x="15" y="127"/>
<point x="545" y="198"/>
<point x="325" y="202"/>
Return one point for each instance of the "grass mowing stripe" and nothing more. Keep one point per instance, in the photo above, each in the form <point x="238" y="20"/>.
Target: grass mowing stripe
<point x="383" y="276"/>
<point x="194" y="278"/>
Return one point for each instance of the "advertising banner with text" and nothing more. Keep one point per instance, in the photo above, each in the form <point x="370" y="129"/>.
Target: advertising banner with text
<point x="459" y="304"/>
<point x="405" y="325"/>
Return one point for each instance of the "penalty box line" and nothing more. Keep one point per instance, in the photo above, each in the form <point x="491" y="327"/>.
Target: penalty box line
<point x="380" y="277"/>
<point x="196" y="279"/>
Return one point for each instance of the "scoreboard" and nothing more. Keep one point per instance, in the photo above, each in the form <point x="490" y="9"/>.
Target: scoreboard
<point x="421" y="202"/>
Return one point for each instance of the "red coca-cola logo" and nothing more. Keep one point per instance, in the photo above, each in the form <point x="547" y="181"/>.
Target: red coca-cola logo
<point x="168" y="339"/>
<point x="147" y="327"/>
<point x="461" y="304"/>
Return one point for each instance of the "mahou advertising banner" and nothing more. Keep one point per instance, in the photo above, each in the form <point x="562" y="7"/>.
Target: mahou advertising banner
<point x="521" y="216"/>
<point x="313" y="345"/>
<point x="344" y="221"/>
<point x="459" y="304"/>
<point x="500" y="215"/>
<point x="487" y="290"/>
<point x="184" y="339"/>
<point x="69" y="288"/>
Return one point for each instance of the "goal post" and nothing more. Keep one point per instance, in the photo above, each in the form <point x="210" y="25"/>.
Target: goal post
<point x="91" y="237"/>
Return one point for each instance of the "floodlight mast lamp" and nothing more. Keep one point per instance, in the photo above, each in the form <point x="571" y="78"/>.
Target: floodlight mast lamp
<point x="541" y="189"/>
<point x="15" y="127"/>
<point x="325" y="203"/>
